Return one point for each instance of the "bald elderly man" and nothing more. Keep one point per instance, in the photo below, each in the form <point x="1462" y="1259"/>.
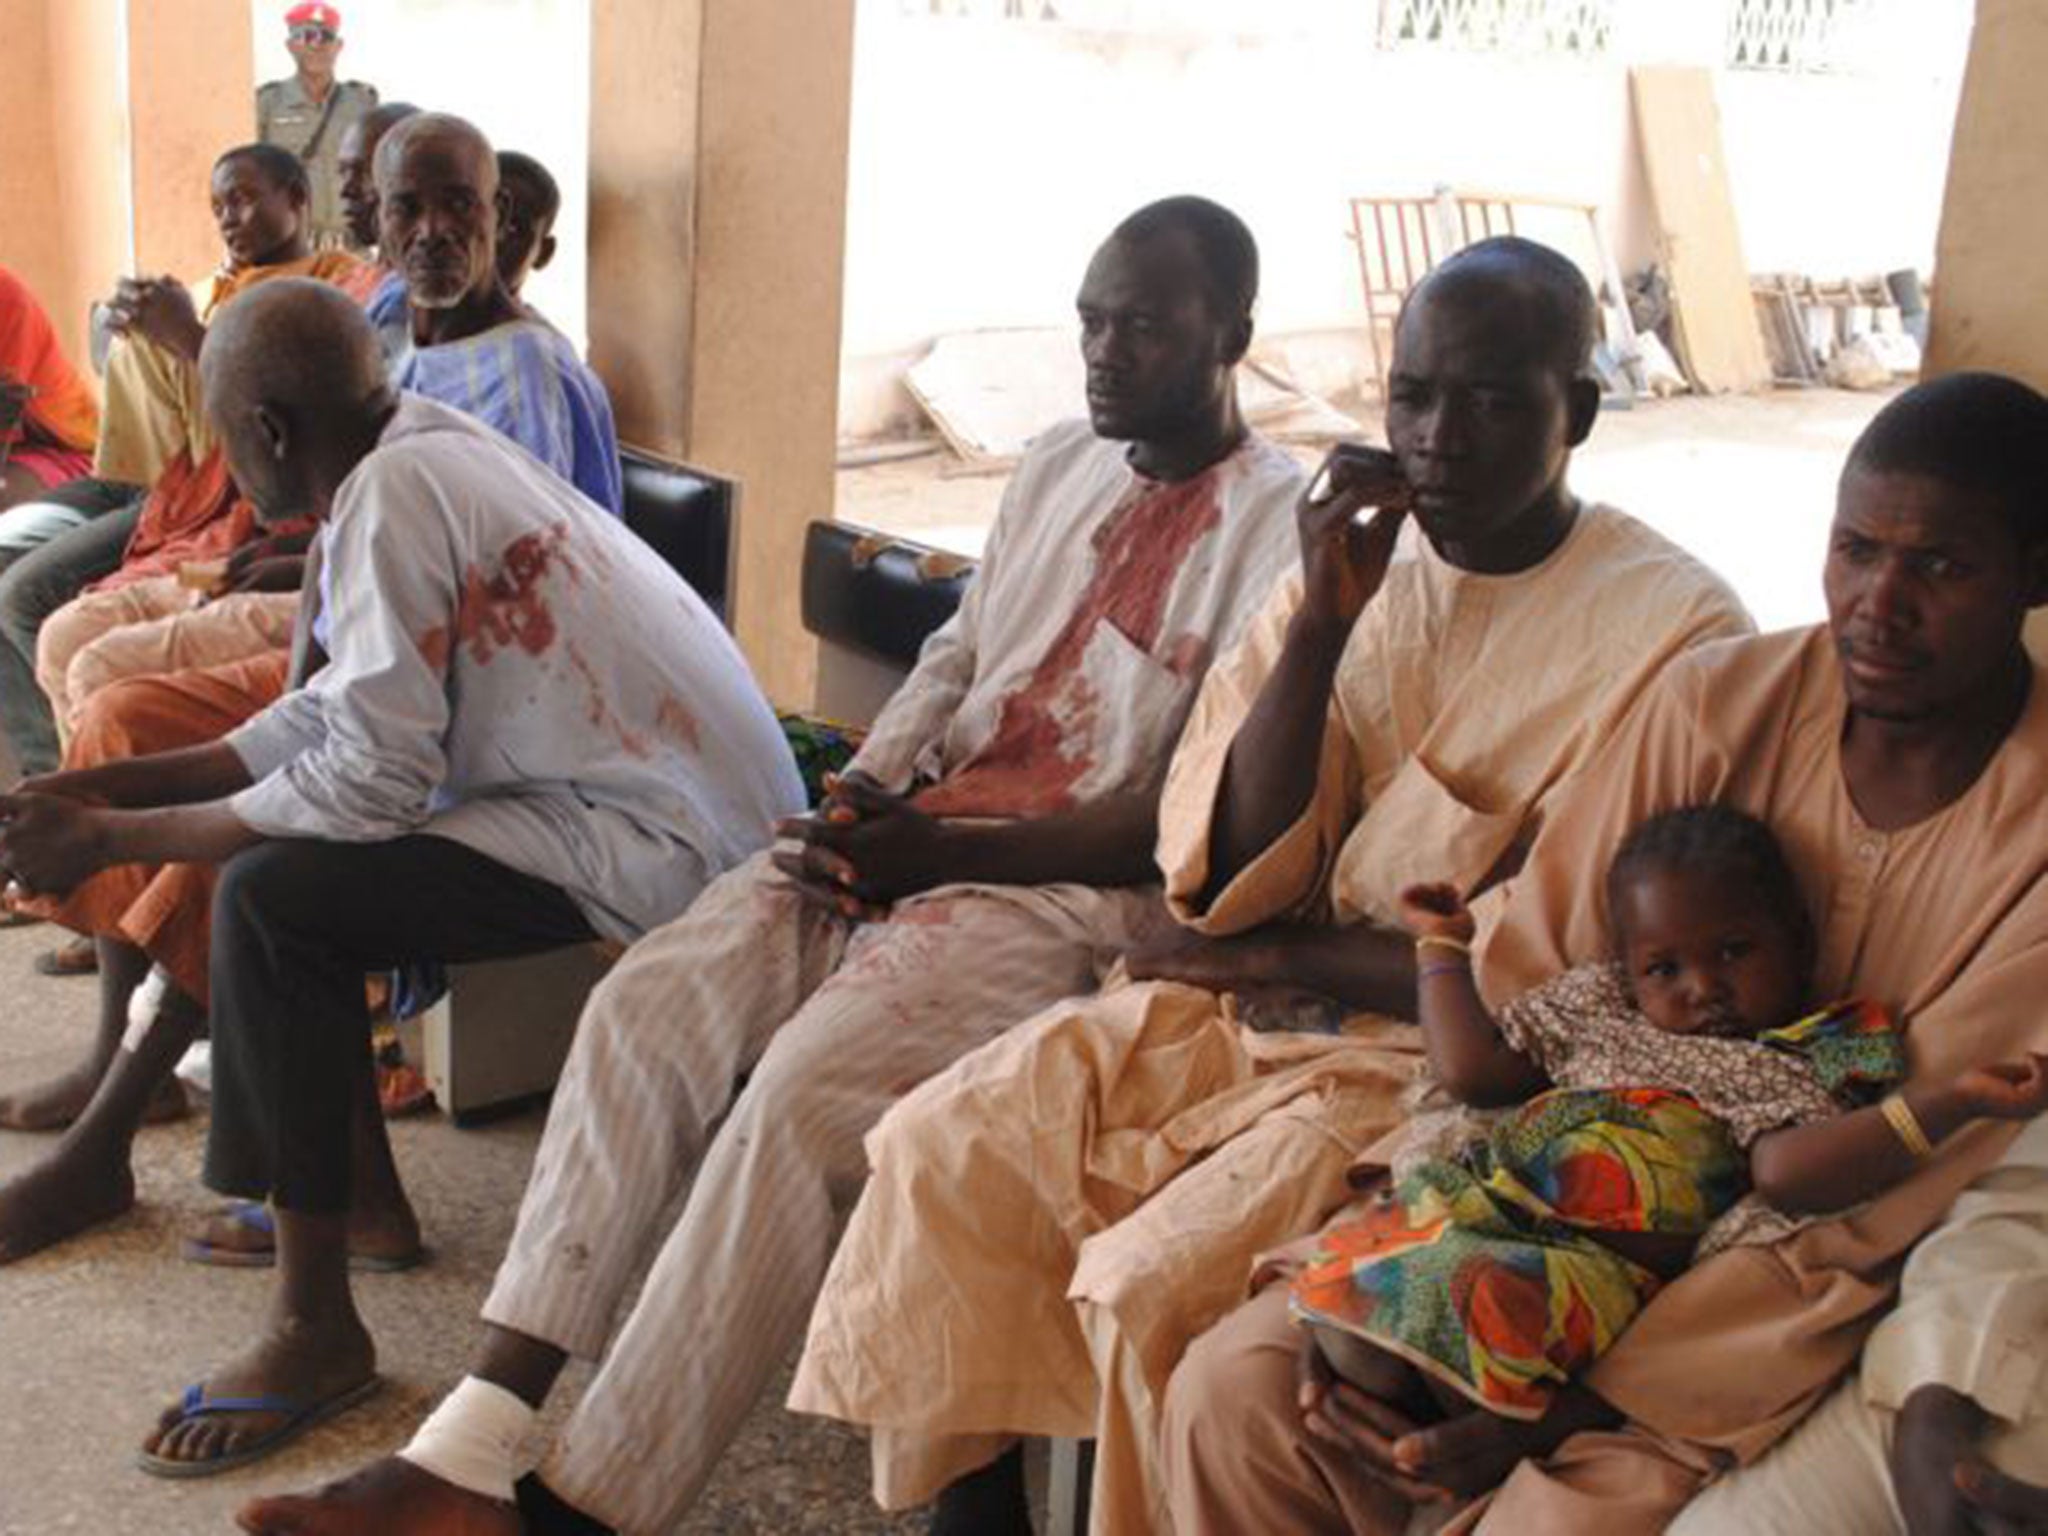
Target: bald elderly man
<point x="529" y="732"/>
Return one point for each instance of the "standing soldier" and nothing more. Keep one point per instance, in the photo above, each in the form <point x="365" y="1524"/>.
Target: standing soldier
<point x="308" y="113"/>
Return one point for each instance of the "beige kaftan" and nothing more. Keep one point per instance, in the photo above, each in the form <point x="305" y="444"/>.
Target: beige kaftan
<point x="1945" y="922"/>
<point x="1053" y="1167"/>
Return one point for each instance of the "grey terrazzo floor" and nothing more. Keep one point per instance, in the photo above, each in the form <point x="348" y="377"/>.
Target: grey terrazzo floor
<point x="95" y="1336"/>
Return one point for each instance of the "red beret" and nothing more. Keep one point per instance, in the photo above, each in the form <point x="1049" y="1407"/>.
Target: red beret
<point x="313" y="14"/>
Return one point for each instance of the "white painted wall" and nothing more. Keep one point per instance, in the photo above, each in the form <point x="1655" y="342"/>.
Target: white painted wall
<point x="989" y="157"/>
<point x="518" y="69"/>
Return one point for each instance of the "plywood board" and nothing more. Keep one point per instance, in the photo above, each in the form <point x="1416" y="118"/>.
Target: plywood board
<point x="1678" y="132"/>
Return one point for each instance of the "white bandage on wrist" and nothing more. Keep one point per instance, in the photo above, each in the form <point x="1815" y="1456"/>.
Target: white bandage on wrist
<point x="472" y="1440"/>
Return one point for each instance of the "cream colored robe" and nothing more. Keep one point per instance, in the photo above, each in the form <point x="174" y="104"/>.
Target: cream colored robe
<point x="1050" y="1221"/>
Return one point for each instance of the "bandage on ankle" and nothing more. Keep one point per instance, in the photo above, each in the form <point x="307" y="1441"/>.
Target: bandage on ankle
<point x="472" y="1440"/>
<point x="144" y="1004"/>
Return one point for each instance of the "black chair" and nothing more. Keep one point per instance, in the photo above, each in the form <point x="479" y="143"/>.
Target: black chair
<point x="877" y="594"/>
<point x="686" y="515"/>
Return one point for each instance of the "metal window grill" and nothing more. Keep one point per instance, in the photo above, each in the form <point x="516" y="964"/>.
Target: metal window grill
<point x="994" y="10"/>
<point x="1582" y="27"/>
<point x="1806" y="36"/>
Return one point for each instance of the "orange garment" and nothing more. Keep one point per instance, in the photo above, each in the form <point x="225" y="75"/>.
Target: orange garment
<point x="165" y="910"/>
<point x="62" y="411"/>
<point x="193" y="511"/>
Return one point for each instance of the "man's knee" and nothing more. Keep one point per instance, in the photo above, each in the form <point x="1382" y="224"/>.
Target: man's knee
<point x="22" y="604"/>
<point x="107" y="725"/>
<point x="275" y="887"/>
<point x="63" y="633"/>
<point x="1238" y="1383"/>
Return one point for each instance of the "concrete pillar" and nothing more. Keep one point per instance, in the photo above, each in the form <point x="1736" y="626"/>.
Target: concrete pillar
<point x="191" y="93"/>
<point x="718" y="143"/>
<point x="1991" y="264"/>
<point x="111" y="121"/>
<point x="32" y="236"/>
<point x="63" y="177"/>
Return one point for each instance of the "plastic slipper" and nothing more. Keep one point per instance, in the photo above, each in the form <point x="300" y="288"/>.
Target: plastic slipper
<point x="254" y="1216"/>
<point x="78" y="958"/>
<point x="303" y="1416"/>
<point x="402" y="1090"/>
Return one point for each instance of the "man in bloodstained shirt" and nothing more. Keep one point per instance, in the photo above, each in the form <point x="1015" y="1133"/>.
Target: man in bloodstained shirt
<point x="529" y="732"/>
<point x="988" y="852"/>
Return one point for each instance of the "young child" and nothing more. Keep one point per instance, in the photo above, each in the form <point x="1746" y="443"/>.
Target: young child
<point x="1653" y="1092"/>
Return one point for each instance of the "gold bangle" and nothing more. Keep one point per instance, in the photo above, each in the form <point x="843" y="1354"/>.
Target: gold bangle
<point x="1442" y="941"/>
<point x="1899" y="1116"/>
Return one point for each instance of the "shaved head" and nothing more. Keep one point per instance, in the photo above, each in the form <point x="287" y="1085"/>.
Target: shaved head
<point x="294" y="383"/>
<point x="1557" y="304"/>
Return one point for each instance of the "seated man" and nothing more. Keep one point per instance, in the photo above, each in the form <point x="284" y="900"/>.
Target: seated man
<point x="1900" y="753"/>
<point x="526" y="217"/>
<point x="473" y="348"/>
<point x="1946" y="1419"/>
<point x="139" y="914"/>
<point x="1048" y="1223"/>
<point x="153" y="436"/>
<point x="531" y="731"/>
<point x="49" y="420"/>
<point x="987" y="851"/>
<point x="477" y="348"/>
<point x="355" y="165"/>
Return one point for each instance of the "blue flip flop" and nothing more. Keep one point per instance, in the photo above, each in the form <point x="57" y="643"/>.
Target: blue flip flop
<point x="255" y="1216"/>
<point x="301" y="1417"/>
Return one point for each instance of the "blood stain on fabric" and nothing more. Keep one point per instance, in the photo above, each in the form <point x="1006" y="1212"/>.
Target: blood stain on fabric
<point x="598" y="710"/>
<point x="433" y="646"/>
<point x="675" y="722"/>
<point x="507" y="608"/>
<point x="1039" y="751"/>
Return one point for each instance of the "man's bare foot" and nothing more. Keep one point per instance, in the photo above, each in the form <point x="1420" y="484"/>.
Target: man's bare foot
<point x="241" y="1234"/>
<point x="66" y="1193"/>
<point x="53" y="1105"/>
<point x="387" y="1498"/>
<point x="299" y="1362"/>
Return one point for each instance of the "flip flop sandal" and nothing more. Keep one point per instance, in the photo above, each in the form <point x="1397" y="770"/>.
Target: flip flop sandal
<point x="302" y="1417"/>
<point x="402" y="1090"/>
<point x="78" y="958"/>
<point x="254" y="1216"/>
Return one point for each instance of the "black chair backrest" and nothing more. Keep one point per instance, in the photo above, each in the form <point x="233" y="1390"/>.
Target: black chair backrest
<point x="878" y="594"/>
<point x="686" y="515"/>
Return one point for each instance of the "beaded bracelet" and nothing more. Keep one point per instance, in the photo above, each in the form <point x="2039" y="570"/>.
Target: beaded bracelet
<point x="1443" y="968"/>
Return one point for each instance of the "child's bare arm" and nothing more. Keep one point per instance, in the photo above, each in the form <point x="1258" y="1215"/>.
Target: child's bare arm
<point x="1834" y="1164"/>
<point x="1467" y="1054"/>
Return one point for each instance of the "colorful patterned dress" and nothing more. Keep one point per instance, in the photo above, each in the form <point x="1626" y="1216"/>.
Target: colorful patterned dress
<point x="1478" y="1267"/>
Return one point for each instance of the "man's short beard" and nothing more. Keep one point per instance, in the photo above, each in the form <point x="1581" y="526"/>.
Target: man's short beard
<point x="449" y="300"/>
